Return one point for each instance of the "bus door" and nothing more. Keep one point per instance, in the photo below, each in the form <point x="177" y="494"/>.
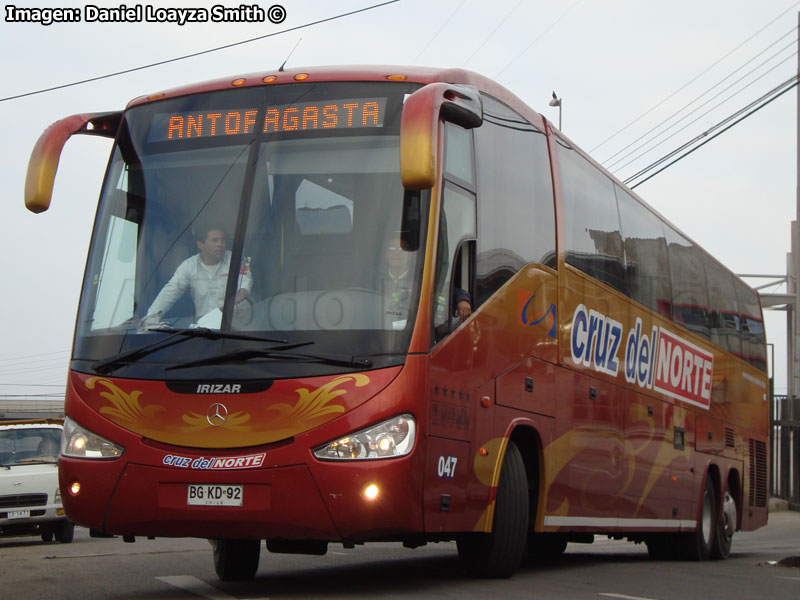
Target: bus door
<point x="456" y="385"/>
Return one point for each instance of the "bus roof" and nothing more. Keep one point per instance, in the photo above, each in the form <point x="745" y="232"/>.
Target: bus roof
<point x="423" y="75"/>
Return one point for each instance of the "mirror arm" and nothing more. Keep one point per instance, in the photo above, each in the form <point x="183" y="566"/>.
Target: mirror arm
<point x="43" y="163"/>
<point x="459" y="104"/>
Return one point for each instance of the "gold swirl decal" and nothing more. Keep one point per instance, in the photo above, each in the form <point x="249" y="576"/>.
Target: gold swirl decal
<point x="313" y="405"/>
<point x="126" y="407"/>
<point x="255" y="422"/>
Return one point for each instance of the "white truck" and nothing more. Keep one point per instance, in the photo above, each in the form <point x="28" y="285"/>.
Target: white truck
<point x="30" y="502"/>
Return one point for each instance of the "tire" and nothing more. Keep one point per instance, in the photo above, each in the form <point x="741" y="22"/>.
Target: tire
<point x="236" y="560"/>
<point x="499" y="553"/>
<point x="697" y="545"/>
<point x="64" y="532"/>
<point x="726" y="526"/>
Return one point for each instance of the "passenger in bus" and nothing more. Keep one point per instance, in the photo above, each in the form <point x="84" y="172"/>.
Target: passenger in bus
<point x="204" y="276"/>
<point x="397" y="286"/>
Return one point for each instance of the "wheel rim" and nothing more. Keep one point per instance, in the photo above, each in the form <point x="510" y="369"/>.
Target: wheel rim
<point x="707" y="524"/>
<point x="728" y="514"/>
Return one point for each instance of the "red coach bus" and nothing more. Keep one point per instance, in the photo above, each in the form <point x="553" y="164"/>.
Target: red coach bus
<point x="445" y="322"/>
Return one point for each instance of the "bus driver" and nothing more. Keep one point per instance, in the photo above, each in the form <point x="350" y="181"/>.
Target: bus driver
<point x="204" y="275"/>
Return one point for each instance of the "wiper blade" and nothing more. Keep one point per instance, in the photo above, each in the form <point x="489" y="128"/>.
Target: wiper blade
<point x="112" y="362"/>
<point x="275" y="353"/>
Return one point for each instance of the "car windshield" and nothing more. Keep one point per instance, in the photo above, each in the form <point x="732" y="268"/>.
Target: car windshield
<point x="21" y="446"/>
<point x="272" y="211"/>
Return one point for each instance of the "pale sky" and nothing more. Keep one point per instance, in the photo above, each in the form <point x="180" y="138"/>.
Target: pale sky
<point x="611" y="62"/>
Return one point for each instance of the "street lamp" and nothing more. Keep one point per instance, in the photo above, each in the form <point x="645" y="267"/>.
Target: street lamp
<point x="556" y="101"/>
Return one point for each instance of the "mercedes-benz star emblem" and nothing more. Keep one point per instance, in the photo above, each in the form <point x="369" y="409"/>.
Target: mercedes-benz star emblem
<point x="217" y="414"/>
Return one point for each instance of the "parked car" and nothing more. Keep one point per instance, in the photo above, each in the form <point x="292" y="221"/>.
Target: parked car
<point x="30" y="502"/>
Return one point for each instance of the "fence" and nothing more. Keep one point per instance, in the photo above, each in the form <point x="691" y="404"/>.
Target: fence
<point x="785" y="449"/>
<point x="30" y="409"/>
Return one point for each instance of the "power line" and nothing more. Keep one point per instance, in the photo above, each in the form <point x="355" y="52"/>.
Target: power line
<point x="736" y="93"/>
<point x="438" y="31"/>
<point x="771" y="96"/>
<point x="537" y="38"/>
<point x="792" y="44"/>
<point x="488" y="37"/>
<point x="200" y="53"/>
<point x="684" y="86"/>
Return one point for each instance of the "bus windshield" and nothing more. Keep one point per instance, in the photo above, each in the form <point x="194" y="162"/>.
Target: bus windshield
<point x="272" y="212"/>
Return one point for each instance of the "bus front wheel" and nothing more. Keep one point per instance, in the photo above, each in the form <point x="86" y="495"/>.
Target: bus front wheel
<point x="236" y="560"/>
<point x="499" y="553"/>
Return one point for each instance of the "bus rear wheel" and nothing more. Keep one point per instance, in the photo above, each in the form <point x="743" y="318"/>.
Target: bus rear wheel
<point x="499" y="553"/>
<point x="236" y="560"/>
<point x="697" y="545"/>
<point x="726" y="526"/>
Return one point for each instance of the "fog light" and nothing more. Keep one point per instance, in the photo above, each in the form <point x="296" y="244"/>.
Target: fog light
<point x="371" y="491"/>
<point x="75" y="488"/>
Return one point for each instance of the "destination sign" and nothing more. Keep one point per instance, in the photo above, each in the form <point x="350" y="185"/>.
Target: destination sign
<point x="355" y="113"/>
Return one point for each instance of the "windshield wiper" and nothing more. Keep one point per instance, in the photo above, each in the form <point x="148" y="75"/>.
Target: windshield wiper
<point x="278" y="354"/>
<point x="112" y="362"/>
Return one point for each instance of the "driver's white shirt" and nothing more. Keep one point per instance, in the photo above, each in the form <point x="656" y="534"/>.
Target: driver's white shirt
<point x="206" y="283"/>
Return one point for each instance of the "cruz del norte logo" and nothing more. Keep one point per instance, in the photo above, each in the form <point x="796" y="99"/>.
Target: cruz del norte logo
<point x="662" y="361"/>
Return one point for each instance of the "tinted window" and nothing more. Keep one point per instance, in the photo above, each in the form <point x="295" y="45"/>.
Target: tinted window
<point x="591" y="222"/>
<point x="645" y="254"/>
<point x="724" y="317"/>
<point x="457" y="224"/>
<point x="515" y="198"/>
<point x="753" y="339"/>
<point x="458" y="156"/>
<point x="689" y="297"/>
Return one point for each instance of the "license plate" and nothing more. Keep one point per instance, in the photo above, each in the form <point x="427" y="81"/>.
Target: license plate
<point x="18" y="514"/>
<point x="203" y="494"/>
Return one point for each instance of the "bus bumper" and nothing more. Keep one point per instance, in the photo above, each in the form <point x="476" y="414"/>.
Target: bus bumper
<point x="318" y="500"/>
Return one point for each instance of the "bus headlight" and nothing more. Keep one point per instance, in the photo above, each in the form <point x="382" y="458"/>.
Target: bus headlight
<point x="79" y="442"/>
<point x="389" y="439"/>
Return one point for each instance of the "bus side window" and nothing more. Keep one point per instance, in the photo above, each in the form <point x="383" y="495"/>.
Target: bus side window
<point x="591" y="219"/>
<point x="454" y="256"/>
<point x="516" y="215"/>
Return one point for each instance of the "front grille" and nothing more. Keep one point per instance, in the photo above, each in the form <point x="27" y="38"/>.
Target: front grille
<point x="23" y="500"/>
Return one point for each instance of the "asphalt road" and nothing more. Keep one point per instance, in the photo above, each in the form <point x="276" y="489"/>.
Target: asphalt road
<point x="183" y="569"/>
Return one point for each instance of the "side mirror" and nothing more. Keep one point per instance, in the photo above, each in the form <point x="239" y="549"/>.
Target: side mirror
<point x="43" y="163"/>
<point x="419" y="127"/>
